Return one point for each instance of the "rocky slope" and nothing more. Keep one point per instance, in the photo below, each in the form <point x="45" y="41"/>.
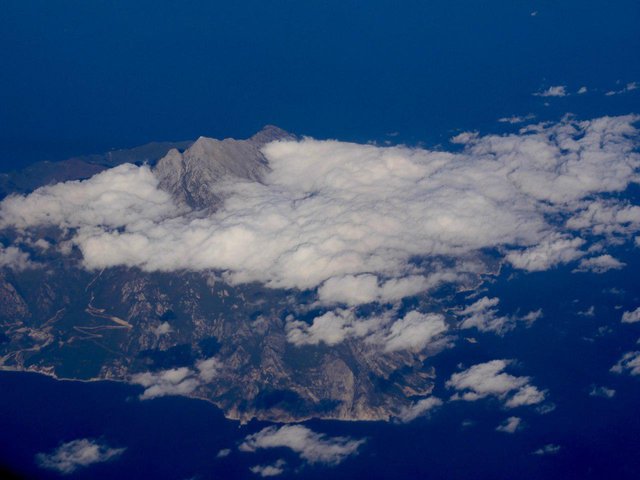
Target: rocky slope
<point x="121" y="323"/>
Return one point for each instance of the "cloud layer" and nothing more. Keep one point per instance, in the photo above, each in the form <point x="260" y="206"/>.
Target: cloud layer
<point x="361" y="223"/>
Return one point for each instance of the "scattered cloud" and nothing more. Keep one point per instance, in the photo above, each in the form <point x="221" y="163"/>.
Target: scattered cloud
<point x="632" y="316"/>
<point x="599" y="264"/>
<point x="310" y="446"/>
<point x="607" y="218"/>
<point x="629" y="87"/>
<point x="489" y="380"/>
<point x="604" y="392"/>
<point x="629" y="363"/>
<point x="15" y="259"/>
<point x="510" y="425"/>
<point x="414" y="331"/>
<point x="549" y="449"/>
<point x="176" y="381"/>
<point x="465" y="138"/>
<point x="556" y="91"/>
<point x="71" y="456"/>
<point x="272" y="470"/>
<point x="225" y="452"/>
<point x="589" y="312"/>
<point x="515" y="119"/>
<point x="482" y="315"/>
<point x="582" y="90"/>
<point x="555" y="250"/>
<point x="418" y="409"/>
<point x="162" y="329"/>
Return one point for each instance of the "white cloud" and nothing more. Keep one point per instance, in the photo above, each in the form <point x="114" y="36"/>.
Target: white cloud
<point x="415" y="331"/>
<point x="482" y="315"/>
<point x="176" y="381"/>
<point x="162" y="329"/>
<point x="510" y="425"/>
<point x="589" y="312"/>
<point x="310" y="446"/>
<point x="331" y="213"/>
<point x="15" y="259"/>
<point x="122" y="196"/>
<point x="555" y="91"/>
<point x="607" y="218"/>
<point x="225" y="452"/>
<point x="629" y="363"/>
<point x="629" y="87"/>
<point x="465" y="138"/>
<point x="488" y="379"/>
<point x="418" y="409"/>
<point x="550" y="252"/>
<point x="515" y="119"/>
<point x="359" y="289"/>
<point x="549" y="449"/>
<point x="527" y="395"/>
<point x="632" y="316"/>
<point x="599" y="264"/>
<point x="272" y="470"/>
<point x="582" y="90"/>
<point x="70" y="456"/>
<point x="604" y="392"/>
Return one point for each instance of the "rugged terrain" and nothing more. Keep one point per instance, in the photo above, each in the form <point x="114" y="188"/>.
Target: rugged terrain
<point x="63" y="320"/>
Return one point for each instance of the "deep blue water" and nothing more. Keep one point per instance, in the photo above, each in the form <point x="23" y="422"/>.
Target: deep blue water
<point x="84" y="77"/>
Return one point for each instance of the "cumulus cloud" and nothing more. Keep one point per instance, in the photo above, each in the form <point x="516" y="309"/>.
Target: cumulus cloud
<point x="414" y="331"/>
<point x="556" y="250"/>
<point x="599" y="264"/>
<point x="418" y="409"/>
<point x="225" y="452"/>
<point x="71" y="456"/>
<point x="604" y="392"/>
<point x="162" y="329"/>
<point x="589" y="312"/>
<point x="310" y="446"/>
<point x="176" y="381"/>
<point x="510" y="425"/>
<point x="122" y="196"/>
<point x="632" y="316"/>
<point x="606" y="217"/>
<point x="354" y="221"/>
<point x="482" y="315"/>
<point x="582" y="90"/>
<point x="629" y="87"/>
<point x="359" y="289"/>
<point x="555" y="91"/>
<point x="629" y="363"/>
<point x="273" y="470"/>
<point x="489" y="379"/>
<point x="15" y="259"/>
<point x="549" y="449"/>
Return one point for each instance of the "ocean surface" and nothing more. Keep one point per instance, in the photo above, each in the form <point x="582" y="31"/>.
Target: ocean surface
<point x="84" y="77"/>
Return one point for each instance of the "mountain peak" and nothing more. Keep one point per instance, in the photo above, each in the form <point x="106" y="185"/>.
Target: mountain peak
<point x="270" y="133"/>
